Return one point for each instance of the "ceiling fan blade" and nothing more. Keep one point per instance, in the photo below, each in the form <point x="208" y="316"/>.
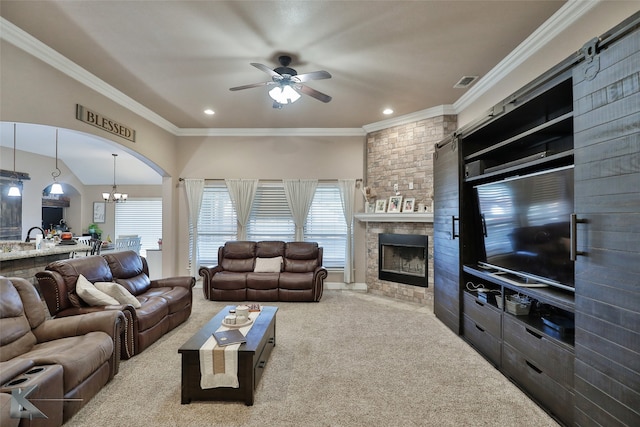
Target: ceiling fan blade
<point x="252" y="85"/>
<point x="314" y="93"/>
<point x="315" y="75"/>
<point x="265" y="69"/>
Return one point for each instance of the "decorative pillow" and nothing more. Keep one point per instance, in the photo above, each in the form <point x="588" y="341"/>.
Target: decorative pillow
<point x="91" y="295"/>
<point x="268" y="265"/>
<point x="118" y="292"/>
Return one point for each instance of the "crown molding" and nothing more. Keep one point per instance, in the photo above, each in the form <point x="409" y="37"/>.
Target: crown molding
<point x="441" y="110"/>
<point x="25" y="41"/>
<point x="566" y="16"/>
<point x="271" y="132"/>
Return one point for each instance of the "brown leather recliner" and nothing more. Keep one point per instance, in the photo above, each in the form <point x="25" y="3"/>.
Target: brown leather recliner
<point x="165" y="303"/>
<point x="69" y="358"/>
<point x="299" y="278"/>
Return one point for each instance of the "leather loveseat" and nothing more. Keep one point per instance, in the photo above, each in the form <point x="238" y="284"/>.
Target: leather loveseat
<point x="164" y="303"/>
<point x="67" y="360"/>
<point x="265" y="271"/>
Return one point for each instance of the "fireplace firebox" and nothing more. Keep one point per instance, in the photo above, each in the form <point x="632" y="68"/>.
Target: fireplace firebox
<point x="402" y="258"/>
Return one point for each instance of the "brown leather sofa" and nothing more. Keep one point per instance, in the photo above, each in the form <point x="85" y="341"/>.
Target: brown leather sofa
<point x="299" y="278"/>
<point x="68" y="360"/>
<point x="164" y="303"/>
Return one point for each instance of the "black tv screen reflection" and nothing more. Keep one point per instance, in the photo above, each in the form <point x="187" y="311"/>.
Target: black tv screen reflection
<point x="526" y="225"/>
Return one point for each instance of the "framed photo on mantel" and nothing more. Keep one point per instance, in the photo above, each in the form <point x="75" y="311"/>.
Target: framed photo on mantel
<point x="408" y="204"/>
<point x="99" y="209"/>
<point x="395" y="204"/>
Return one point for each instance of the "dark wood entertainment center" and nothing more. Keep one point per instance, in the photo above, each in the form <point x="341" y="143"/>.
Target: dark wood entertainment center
<point x="584" y="113"/>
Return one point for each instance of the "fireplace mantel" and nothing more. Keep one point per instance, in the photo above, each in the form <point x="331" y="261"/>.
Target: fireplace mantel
<point x="394" y="217"/>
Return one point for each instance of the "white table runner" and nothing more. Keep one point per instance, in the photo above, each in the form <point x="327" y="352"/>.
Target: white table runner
<point x="219" y="365"/>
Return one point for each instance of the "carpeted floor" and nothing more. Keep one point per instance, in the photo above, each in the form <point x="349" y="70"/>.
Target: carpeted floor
<point x="353" y="359"/>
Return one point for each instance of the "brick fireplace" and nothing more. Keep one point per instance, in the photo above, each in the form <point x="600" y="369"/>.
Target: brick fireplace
<point x="402" y="155"/>
<point x="402" y="258"/>
<point x="392" y="289"/>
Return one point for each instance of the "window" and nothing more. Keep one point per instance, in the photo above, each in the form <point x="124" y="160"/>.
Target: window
<point x="142" y="217"/>
<point x="326" y="224"/>
<point x="271" y="219"/>
<point x="217" y="223"/>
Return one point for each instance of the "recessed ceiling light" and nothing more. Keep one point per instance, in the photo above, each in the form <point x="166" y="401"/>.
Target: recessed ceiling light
<point x="209" y="112"/>
<point x="387" y="111"/>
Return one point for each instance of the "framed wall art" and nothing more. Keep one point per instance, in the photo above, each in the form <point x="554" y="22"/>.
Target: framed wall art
<point x="99" y="209"/>
<point x="381" y="205"/>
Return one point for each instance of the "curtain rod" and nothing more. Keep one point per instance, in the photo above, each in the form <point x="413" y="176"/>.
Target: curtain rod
<point x="222" y="179"/>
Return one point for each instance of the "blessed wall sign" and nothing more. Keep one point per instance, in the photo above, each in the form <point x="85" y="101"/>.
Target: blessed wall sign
<point x="98" y="120"/>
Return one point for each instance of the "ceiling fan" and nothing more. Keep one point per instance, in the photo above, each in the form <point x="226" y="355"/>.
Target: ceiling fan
<point x="288" y="82"/>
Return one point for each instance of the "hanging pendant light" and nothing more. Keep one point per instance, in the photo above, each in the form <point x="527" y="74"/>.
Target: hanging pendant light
<point x="114" y="196"/>
<point x="56" y="188"/>
<point x="14" y="190"/>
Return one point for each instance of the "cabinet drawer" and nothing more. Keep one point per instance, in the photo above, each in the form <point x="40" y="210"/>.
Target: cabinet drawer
<point x="556" y="361"/>
<point x="263" y="357"/>
<point x="556" y="398"/>
<point x="482" y="340"/>
<point x="484" y="315"/>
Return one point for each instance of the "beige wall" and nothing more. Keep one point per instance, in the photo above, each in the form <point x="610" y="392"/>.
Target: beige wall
<point x="599" y="20"/>
<point x="283" y="157"/>
<point x="34" y="92"/>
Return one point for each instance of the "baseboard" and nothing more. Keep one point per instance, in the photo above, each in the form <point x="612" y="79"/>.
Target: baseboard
<point x="340" y="286"/>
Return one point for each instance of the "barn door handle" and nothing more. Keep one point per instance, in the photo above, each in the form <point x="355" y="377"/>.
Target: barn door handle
<point x="453" y="227"/>
<point x="573" y="237"/>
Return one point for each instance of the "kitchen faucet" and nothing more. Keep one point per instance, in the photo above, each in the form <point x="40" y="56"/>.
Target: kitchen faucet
<point x="30" y="230"/>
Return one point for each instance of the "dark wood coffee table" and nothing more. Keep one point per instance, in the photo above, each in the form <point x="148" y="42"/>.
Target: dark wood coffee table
<point x="252" y="359"/>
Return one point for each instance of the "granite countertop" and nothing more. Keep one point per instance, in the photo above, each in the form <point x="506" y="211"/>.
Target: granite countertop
<point x="33" y="253"/>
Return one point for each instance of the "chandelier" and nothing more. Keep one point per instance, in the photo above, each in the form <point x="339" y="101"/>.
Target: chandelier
<point x="114" y="196"/>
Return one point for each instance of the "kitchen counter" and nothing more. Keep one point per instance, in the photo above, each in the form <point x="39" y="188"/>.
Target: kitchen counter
<point x="27" y="263"/>
<point x="34" y="253"/>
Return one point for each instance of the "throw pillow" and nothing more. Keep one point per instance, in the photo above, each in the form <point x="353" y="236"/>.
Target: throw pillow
<point x="91" y="295"/>
<point x="268" y="265"/>
<point x="118" y="292"/>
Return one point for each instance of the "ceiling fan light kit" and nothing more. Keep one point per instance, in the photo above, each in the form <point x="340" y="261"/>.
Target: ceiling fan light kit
<point x="288" y="82"/>
<point x="284" y="94"/>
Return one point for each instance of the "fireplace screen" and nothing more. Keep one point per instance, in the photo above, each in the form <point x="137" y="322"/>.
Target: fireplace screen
<point x="403" y="258"/>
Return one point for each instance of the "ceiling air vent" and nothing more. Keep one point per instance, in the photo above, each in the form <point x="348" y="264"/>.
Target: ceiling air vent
<point x="465" y="82"/>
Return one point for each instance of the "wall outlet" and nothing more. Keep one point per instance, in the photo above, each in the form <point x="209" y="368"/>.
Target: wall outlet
<point x="411" y="186"/>
<point x="395" y="187"/>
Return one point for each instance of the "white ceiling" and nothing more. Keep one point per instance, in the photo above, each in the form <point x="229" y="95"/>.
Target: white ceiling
<point x="177" y="58"/>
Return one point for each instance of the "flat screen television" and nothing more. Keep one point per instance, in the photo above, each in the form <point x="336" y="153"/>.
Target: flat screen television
<point x="526" y="227"/>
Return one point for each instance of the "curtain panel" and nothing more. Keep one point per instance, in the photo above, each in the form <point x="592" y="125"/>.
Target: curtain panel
<point x="299" y="193"/>
<point x="194" y="189"/>
<point x="242" y="193"/>
<point x="347" y="196"/>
